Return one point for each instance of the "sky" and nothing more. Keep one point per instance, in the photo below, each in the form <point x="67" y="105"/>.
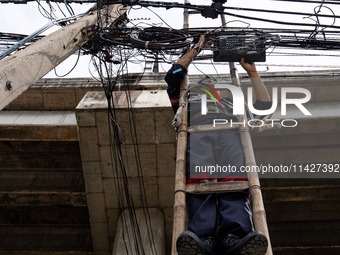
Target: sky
<point x="26" y="18"/>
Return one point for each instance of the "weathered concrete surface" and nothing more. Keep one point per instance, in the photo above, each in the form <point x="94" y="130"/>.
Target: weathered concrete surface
<point x="42" y="192"/>
<point x="52" y="237"/>
<point x="152" y="233"/>
<point x="42" y="198"/>
<point x="38" y="125"/>
<point x="33" y="171"/>
<point x="153" y="114"/>
<point x="67" y="93"/>
<point x="156" y="139"/>
<point x="37" y="118"/>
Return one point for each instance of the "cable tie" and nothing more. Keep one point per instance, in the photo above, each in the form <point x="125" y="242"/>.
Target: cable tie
<point x="184" y="131"/>
<point x="179" y="190"/>
<point x="146" y="44"/>
<point x="254" y="187"/>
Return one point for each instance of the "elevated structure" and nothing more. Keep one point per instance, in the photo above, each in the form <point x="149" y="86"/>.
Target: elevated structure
<point x="55" y="158"/>
<point x="47" y="180"/>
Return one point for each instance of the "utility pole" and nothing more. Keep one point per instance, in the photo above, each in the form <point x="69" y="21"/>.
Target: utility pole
<point x="25" y="67"/>
<point x="186" y="16"/>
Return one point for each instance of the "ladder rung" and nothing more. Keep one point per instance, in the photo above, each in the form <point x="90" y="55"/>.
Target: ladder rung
<point x="216" y="187"/>
<point x="210" y="127"/>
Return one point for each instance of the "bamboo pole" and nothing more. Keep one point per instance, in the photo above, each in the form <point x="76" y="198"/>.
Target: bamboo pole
<point x="186" y="16"/>
<point x="180" y="178"/>
<point x="216" y="187"/>
<point x="259" y="214"/>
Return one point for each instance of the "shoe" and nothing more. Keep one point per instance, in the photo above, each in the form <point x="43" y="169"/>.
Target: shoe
<point x="189" y="243"/>
<point x="255" y="243"/>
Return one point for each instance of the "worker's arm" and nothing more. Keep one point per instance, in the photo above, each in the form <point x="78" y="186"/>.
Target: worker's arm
<point x="178" y="71"/>
<point x="188" y="57"/>
<point x="260" y="89"/>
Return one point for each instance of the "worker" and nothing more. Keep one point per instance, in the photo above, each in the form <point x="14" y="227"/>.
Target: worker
<point x="218" y="223"/>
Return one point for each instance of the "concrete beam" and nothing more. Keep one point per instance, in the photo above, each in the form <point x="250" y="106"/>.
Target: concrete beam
<point x="38" y="125"/>
<point x="27" y="66"/>
<point x="45" y="237"/>
<point x="301" y="193"/>
<point x="308" y="233"/>
<point x="334" y="249"/>
<point x="42" y="198"/>
<point x="45" y="215"/>
<point x="302" y="210"/>
<point x="40" y="180"/>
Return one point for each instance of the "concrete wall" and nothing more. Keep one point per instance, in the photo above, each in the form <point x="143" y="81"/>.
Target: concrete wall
<point x="156" y="139"/>
<point x="310" y="142"/>
<point x="301" y="212"/>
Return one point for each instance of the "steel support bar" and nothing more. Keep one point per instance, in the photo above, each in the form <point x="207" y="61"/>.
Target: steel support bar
<point x="180" y="179"/>
<point x="25" y="67"/>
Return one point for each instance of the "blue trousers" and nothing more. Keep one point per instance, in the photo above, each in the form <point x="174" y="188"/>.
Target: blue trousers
<point x="228" y="212"/>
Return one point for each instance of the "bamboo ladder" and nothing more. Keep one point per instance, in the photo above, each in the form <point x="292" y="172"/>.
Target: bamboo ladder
<point x="181" y="188"/>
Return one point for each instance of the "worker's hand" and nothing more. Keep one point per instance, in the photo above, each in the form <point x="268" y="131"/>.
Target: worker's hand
<point x="205" y="40"/>
<point x="248" y="67"/>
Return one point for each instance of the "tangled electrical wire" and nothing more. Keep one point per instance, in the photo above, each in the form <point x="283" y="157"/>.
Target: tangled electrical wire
<point x="112" y="49"/>
<point x="7" y="40"/>
<point x="162" y="43"/>
<point x="146" y="42"/>
<point x="171" y="42"/>
<point x="110" y="57"/>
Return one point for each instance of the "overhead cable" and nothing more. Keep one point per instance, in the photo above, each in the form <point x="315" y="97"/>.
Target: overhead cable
<point x="40" y="31"/>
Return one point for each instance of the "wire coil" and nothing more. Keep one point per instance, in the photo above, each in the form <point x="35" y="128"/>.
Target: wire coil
<point x="160" y="38"/>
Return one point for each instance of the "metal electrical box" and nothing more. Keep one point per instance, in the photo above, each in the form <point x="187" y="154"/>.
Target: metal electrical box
<point x="232" y="47"/>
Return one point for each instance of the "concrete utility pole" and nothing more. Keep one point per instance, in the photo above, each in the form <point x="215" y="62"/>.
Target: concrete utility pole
<point x="25" y="67"/>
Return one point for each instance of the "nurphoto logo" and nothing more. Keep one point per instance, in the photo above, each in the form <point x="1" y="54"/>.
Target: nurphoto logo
<point x="239" y="109"/>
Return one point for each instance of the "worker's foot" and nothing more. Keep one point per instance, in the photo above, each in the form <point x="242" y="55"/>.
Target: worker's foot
<point x="190" y="244"/>
<point x="255" y="243"/>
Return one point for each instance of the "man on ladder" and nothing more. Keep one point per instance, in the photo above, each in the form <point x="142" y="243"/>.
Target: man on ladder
<point x="228" y="214"/>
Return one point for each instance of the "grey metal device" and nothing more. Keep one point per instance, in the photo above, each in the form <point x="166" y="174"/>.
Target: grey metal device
<point x="232" y="47"/>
